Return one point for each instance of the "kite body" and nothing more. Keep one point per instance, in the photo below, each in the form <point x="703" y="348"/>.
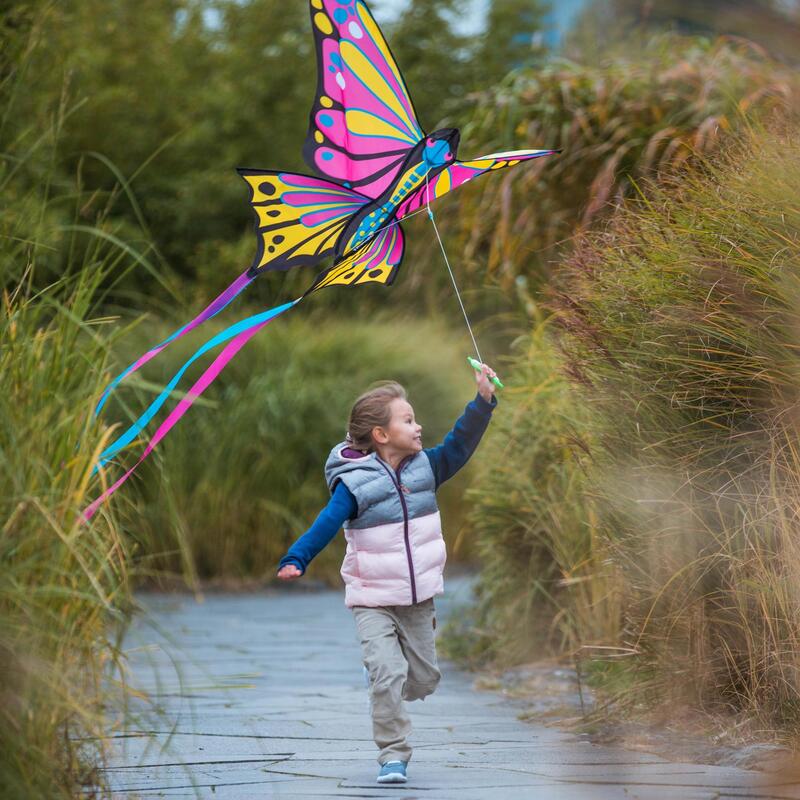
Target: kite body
<point x="374" y="166"/>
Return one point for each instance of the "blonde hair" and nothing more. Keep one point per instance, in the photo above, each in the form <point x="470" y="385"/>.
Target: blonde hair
<point x="371" y="410"/>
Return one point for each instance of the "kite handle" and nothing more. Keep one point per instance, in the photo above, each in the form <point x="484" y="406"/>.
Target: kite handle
<point x="476" y="365"/>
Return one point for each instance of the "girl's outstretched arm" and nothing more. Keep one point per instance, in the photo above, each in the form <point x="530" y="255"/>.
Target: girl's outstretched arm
<point x="448" y="457"/>
<point x="342" y="506"/>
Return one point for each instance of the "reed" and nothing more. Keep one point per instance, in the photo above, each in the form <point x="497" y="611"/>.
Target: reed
<point x="636" y="114"/>
<point x="64" y="586"/>
<point x="677" y="408"/>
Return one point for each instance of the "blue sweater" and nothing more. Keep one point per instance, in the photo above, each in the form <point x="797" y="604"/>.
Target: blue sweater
<point x="446" y="459"/>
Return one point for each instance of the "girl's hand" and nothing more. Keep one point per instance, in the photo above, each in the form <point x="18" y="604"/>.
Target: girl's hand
<point x="485" y="386"/>
<point x="289" y="572"/>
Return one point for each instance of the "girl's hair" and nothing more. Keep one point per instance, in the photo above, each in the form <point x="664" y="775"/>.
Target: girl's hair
<point x="371" y="410"/>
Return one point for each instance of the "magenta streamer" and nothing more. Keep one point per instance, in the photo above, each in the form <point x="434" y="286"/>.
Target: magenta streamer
<point x="211" y="310"/>
<point x="231" y="349"/>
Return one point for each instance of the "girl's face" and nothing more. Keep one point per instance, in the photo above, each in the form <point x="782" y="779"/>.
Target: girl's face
<point x="403" y="434"/>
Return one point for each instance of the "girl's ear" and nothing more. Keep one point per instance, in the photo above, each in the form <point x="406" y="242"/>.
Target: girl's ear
<point x="379" y="435"/>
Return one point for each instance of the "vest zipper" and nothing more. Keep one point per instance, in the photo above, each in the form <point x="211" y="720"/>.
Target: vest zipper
<point x="405" y="524"/>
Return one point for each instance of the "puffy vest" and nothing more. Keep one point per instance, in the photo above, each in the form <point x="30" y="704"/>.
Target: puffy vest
<point x="395" y="550"/>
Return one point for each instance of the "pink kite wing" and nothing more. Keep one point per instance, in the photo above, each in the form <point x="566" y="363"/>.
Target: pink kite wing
<point x="377" y="261"/>
<point x="299" y="218"/>
<point x="362" y="124"/>
<point x="460" y="172"/>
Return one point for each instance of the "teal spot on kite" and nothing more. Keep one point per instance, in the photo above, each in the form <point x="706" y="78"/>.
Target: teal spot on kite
<point x="340" y="15"/>
<point x="331" y="69"/>
<point x="326" y="120"/>
<point x="327" y="155"/>
<point x="336" y="58"/>
<point x="347" y="184"/>
<point x="344" y="2"/>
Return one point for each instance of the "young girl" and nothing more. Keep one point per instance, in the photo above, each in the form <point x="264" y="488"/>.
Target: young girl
<point x="383" y="485"/>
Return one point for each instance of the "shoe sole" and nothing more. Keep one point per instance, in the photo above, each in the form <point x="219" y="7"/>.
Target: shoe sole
<point x="393" y="779"/>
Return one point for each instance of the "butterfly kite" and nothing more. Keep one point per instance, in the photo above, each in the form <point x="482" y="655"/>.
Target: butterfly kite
<point x="374" y="167"/>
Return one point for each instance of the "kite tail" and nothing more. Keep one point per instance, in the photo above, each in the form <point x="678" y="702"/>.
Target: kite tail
<point x="237" y="336"/>
<point x="211" y="310"/>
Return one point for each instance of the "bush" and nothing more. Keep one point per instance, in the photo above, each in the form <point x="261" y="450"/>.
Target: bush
<point x="636" y="114"/>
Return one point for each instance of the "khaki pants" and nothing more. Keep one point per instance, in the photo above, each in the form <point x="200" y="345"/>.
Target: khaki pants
<point x="399" y="652"/>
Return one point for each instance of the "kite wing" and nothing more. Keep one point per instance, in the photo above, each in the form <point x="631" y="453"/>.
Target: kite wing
<point x="460" y="172"/>
<point x="377" y="261"/>
<point x="298" y="218"/>
<point x="362" y="124"/>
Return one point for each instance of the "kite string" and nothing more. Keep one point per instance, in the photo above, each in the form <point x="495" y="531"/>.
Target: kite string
<point x="447" y="262"/>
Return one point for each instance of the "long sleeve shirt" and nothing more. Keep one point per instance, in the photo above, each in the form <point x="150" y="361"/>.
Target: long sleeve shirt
<point x="446" y="460"/>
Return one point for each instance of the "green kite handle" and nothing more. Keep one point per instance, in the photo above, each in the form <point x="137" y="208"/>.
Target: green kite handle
<point x="476" y="365"/>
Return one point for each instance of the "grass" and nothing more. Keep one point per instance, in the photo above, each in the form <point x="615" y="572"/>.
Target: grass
<point x="653" y="454"/>
<point x="63" y="586"/>
<point x="639" y="112"/>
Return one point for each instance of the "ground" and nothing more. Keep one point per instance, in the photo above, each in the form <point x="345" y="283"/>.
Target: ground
<point x="262" y="695"/>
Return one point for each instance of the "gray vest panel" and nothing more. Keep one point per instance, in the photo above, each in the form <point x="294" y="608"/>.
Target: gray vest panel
<point x="371" y="482"/>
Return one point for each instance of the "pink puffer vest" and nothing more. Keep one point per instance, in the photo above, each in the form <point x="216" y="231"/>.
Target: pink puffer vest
<point x="395" y="550"/>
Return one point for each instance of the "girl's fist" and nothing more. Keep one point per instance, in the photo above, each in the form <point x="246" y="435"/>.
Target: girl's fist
<point x="484" y="380"/>
<point x="288" y="572"/>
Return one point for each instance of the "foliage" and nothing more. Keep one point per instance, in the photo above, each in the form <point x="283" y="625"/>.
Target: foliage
<point x="542" y="581"/>
<point x="63" y="585"/>
<point x="678" y="331"/>
<point x="771" y="25"/>
<point x="510" y="39"/>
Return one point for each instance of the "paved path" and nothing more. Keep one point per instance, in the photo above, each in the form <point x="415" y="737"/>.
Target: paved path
<point x="262" y="696"/>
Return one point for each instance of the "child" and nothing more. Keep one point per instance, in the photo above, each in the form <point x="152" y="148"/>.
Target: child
<point x="383" y="486"/>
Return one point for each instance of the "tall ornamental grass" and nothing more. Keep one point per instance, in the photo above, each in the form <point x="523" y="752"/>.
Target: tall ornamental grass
<point x="678" y="336"/>
<point x="242" y="475"/>
<point x="637" y="113"/>
<point x="536" y="535"/>
<point x="63" y="585"/>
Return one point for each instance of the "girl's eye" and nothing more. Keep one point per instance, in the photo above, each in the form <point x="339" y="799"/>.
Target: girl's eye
<point x="430" y="142"/>
<point x="448" y="157"/>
